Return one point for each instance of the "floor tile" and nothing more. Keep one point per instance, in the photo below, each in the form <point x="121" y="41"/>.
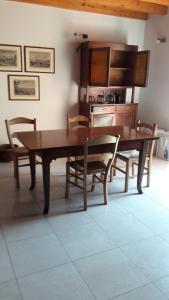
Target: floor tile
<point x="32" y="255"/>
<point x="156" y="218"/>
<point x="119" y="225"/>
<point x="106" y="211"/>
<point x="62" y="283"/>
<point x="110" y="274"/>
<point x="85" y="240"/>
<point x="163" y="285"/>
<point x="165" y="236"/>
<point x="68" y="221"/>
<point x="9" y="291"/>
<point x="23" y="228"/>
<point x="148" y="292"/>
<point x="123" y="232"/>
<point x="137" y="203"/>
<point x="106" y="216"/>
<point x="6" y="271"/>
<point x="151" y="256"/>
<point x="18" y="209"/>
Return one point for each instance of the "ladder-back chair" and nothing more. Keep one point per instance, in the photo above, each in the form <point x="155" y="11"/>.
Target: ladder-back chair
<point x="20" y="153"/>
<point x="81" y="168"/>
<point x="130" y="158"/>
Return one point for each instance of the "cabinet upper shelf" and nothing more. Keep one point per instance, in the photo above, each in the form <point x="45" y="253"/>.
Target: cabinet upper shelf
<point x="130" y="69"/>
<point x="111" y="68"/>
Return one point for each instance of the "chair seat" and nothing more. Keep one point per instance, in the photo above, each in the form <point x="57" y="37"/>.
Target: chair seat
<point x="93" y="167"/>
<point x="21" y="151"/>
<point x="130" y="154"/>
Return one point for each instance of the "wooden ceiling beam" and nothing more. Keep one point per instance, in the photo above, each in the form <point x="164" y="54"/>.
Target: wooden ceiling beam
<point x="82" y="5"/>
<point x="131" y="5"/>
<point x="161" y="2"/>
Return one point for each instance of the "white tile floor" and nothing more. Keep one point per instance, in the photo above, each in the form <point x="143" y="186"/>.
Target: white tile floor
<point x="119" y="251"/>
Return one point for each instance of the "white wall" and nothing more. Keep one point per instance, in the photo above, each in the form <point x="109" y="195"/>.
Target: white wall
<point x="154" y="104"/>
<point x="25" y="24"/>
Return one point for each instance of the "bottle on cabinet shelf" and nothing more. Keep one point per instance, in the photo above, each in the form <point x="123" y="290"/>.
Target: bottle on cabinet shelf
<point x="117" y="98"/>
<point x="110" y="99"/>
<point x="92" y="99"/>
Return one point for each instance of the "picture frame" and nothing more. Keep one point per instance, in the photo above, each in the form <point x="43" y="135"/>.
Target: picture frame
<point x="10" y="58"/>
<point x="23" y="87"/>
<point x="39" y="59"/>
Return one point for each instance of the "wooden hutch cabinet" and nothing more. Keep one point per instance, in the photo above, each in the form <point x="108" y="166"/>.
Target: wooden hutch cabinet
<point x="107" y="71"/>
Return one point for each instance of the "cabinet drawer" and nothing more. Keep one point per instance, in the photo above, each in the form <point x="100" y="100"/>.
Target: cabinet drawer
<point x="100" y="120"/>
<point x="104" y="109"/>
<point x="125" y="108"/>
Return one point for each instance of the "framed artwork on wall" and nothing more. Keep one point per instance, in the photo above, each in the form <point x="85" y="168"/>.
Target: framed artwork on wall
<point x="39" y="59"/>
<point x="10" y="58"/>
<point x="23" y="87"/>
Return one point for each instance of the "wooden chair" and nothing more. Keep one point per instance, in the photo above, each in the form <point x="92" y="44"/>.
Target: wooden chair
<point x="74" y="122"/>
<point x="89" y="166"/>
<point x="19" y="153"/>
<point x="130" y="158"/>
<point x="78" y="121"/>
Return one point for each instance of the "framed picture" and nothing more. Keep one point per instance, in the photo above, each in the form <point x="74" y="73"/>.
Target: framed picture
<point x="10" y="58"/>
<point x="39" y="59"/>
<point x="22" y="87"/>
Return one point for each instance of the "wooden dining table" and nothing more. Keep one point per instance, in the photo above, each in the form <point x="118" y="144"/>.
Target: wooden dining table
<point x="60" y="143"/>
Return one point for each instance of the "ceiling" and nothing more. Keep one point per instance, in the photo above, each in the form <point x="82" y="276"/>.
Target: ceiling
<point x="135" y="9"/>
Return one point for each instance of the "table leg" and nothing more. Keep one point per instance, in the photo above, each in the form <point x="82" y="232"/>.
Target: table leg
<point x="141" y="164"/>
<point x="32" y="169"/>
<point x="46" y="182"/>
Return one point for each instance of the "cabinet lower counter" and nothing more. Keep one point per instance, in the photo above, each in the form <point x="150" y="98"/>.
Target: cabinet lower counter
<point x="110" y="114"/>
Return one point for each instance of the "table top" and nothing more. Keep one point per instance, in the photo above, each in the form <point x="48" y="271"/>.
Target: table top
<point x="60" y="138"/>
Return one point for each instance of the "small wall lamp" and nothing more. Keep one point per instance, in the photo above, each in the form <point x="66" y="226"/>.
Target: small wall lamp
<point x="161" y="40"/>
<point x="79" y="37"/>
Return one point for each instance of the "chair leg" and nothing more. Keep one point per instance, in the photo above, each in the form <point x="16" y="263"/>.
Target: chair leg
<point x="85" y="192"/>
<point x="127" y="177"/>
<point x="113" y="170"/>
<point x="76" y="179"/>
<point x="111" y="174"/>
<point x="16" y="172"/>
<point x="148" y="172"/>
<point x="76" y="172"/>
<point x="14" y="167"/>
<point x="105" y="190"/>
<point x="93" y="183"/>
<point x="132" y="166"/>
<point x="67" y="179"/>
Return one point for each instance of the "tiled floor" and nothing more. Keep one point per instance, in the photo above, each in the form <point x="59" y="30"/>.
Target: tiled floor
<point x="119" y="251"/>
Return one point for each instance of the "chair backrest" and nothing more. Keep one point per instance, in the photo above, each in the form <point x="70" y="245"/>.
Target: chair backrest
<point x="17" y="121"/>
<point x="103" y="140"/>
<point x="151" y="129"/>
<point x="78" y="121"/>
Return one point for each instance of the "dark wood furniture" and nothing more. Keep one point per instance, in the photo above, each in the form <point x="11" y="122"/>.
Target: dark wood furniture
<point x="53" y="144"/>
<point x="107" y="71"/>
<point x="130" y="158"/>
<point x="19" y="153"/>
<point x="111" y="114"/>
<point x="81" y="168"/>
